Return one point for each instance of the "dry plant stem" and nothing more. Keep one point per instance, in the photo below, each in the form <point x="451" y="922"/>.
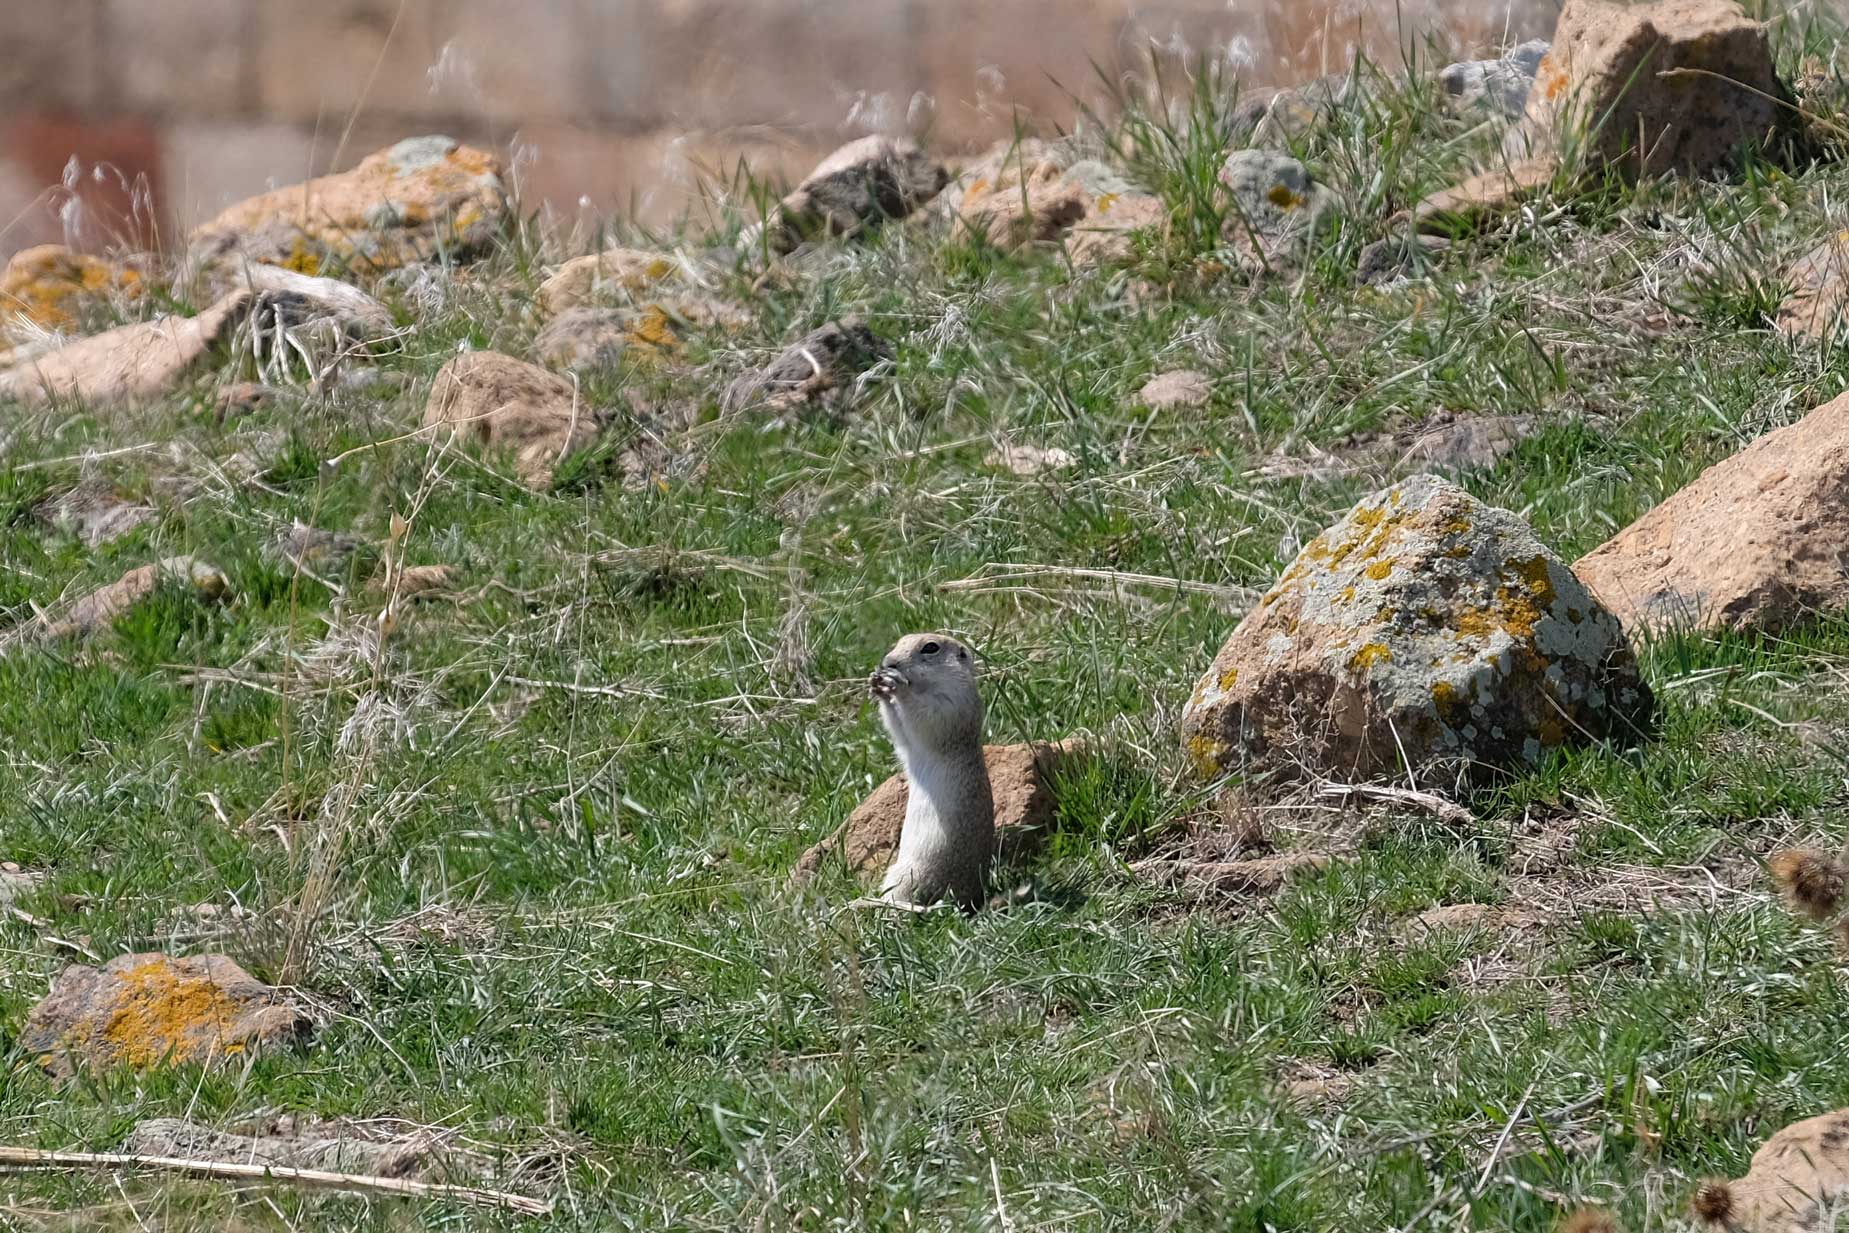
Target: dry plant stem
<point x="1437" y="806"/>
<point x="12" y="1158"/>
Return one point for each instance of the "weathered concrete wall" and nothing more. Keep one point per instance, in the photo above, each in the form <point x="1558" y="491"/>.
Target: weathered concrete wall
<point x="137" y="117"/>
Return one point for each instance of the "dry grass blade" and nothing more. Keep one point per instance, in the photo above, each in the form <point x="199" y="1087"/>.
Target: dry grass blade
<point x="1000" y="574"/>
<point x="1437" y="806"/>
<point x="33" y="1158"/>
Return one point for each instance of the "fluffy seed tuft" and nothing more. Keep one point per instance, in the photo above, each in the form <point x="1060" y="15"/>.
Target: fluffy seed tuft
<point x="1588" y="1220"/>
<point x="1713" y="1202"/>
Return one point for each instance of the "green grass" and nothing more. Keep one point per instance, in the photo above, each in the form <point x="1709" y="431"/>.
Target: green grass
<point x="556" y="815"/>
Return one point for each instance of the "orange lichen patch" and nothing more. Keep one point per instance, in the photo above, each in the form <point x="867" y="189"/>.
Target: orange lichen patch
<point x="1369" y="655"/>
<point x="1206" y="753"/>
<point x="1229" y="678"/>
<point x="654" y="329"/>
<point x="1552" y="732"/>
<point x="1284" y="198"/>
<point x="1456" y="525"/>
<point x="43" y="284"/>
<point x="1526" y="602"/>
<point x="1379" y="569"/>
<point x="1473" y="622"/>
<point x="162" y="1012"/>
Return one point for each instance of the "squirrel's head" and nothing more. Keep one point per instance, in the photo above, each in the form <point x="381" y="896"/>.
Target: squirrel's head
<point x="931" y="680"/>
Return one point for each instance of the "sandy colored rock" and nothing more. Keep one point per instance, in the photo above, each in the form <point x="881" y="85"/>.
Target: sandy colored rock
<point x="149" y="1010"/>
<point x="129" y="364"/>
<point x="16" y="883"/>
<point x="1813" y="309"/>
<point x="1424" y="628"/>
<point x="1181" y="388"/>
<point x="1795" y="1176"/>
<point x="581" y="338"/>
<point x="1106" y="235"/>
<point x="1029" y="460"/>
<point x="825" y="360"/>
<point x="424" y="198"/>
<point x="1399" y="256"/>
<point x="1275" y="207"/>
<point x="1021" y="779"/>
<point x="287" y="1144"/>
<point x="1086" y="206"/>
<point x="1272" y="117"/>
<point x="1488" y="193"/>
<point x="101" y="608"/>
<point x="612" y="273"/>
<point x="1675" y="86"/>
<point x="1014" y="211"/>
<point x="48" y="286"/>
<point x="508" y="405"/>
<point x="856" y="189"/>
<point x="1755" y="542"/>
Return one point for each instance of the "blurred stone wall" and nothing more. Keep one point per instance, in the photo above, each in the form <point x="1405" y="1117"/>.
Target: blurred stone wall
<point x="133" y="119"/>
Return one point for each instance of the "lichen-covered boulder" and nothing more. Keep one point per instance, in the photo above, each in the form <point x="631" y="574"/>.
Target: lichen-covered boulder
<point x="420" y="199"/>
<point x="1499" y="86"/>
<point x="584" y="281"/>
<point x="1276" y="206"/>
<point x="1424" y="630"/>
<point x="49" y="286"/>
<point x="149" y="1010"/>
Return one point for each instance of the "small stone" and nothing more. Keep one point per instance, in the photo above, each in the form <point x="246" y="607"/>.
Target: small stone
<point x="1029" y="460"/>
<point x="1275" y="206"/>
<point x="1273" y="118"/>
<point x="315" y="551"/>
<point x="424" y="198"/>
<point x="1021" y="779"/>
<point x="504" y="404"/>
<point x="613" y="273"/>
<point x="584" y="338"/>
<point x="16" y="883"/>
<point x="101" y="608"/>
<point x="856" y="189"/>
<point x="826" y="360"/>
<point x="1499" y="86"/>
<point x="1752" y="543"/>
<point x="127" y="365"/>
<point x="1486" y="194"/>
<point x="150" y="1010"/>
<point x="1424" y="631"/>
<point x="1181" y="388"/>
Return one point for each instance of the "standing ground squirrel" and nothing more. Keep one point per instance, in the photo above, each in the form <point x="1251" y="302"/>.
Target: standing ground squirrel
<point x="926" y="688"/>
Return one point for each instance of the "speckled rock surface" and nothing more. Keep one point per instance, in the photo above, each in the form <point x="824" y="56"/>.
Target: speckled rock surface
<point x="1499" y="86"/>
<point x="149" y="1010"/>
<point x="416" y="200"/>
<point x="1813" y="310"/>
<point x="614" y="273"/>
<point x="1425" y="628"/>
<point x="1679" y="85"/>
<point x="1276" y="205"/>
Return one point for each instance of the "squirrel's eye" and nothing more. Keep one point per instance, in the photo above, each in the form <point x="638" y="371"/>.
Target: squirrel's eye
<point x="930" y="648"/>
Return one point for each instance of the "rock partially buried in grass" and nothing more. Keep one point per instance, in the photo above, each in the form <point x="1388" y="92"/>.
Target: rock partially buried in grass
<point x="127" y="365"/>
<point x="581" y="338"/>
<point x="1181" y="388"/>
<point x="1499" y="86"/>
<point x="1813" y="310"/>
<point x="1029" y="460"/>
<point x="424" y="198"/>
<point x="1753" y="543"/>
<point x="826" y="360"/>
<point x="94" y="512"/>
<point x="1276" y="207"/>
<point x="100" y="608"/>
<point x="1021" y="779"/>
<point x="857" y="188"/>
<point x="49" y="286"/>
<point x="1795" y="1177"/>
<point x="614" y="272"/>
<point x="1085" y="205"/>
<point x="288" y="1144"/>
<point x="1424" y="629"/>
<point x="507" y="405"/>
<point x="149" y="1010"/>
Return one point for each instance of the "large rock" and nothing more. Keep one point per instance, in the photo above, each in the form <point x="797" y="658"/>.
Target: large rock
<point x="49" y="286"/>
<point x="1679" y="85"/>
<point x="825" y="360"/>
<point x="1424" y="628"/>
<point x="424" y="198"/>
<point x="1755" y="542"/>
<point x="1021" y="778"/>
<point x="1272" y="117"/>
<point x="148" y="1010"/>
<point x="129" y="364"/>
<point x="855" y="189"/>
<point x="99" y="609"/>
<point x="1812" y="310"/>
<point x="509" y="405"/>
<point x="1796" y="1176"/>
<point x="1276" y="206"/>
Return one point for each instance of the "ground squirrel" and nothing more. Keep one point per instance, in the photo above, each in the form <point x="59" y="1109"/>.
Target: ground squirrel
<point x="926" y="689"/>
